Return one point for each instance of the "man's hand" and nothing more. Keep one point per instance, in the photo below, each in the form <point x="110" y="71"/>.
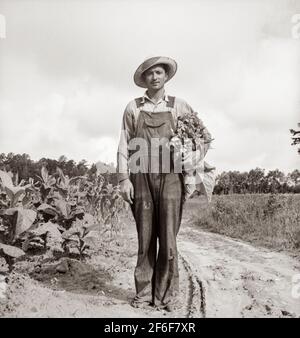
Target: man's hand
<point x="127" y="191"/>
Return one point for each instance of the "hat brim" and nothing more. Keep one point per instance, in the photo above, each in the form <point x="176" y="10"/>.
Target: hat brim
<point x="170" y="63"/>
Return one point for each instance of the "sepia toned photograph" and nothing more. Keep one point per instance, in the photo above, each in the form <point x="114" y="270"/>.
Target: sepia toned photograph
<point x="149" y="160"/>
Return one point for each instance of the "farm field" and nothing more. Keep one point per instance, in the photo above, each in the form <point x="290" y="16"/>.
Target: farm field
<point x="241" y="276"/>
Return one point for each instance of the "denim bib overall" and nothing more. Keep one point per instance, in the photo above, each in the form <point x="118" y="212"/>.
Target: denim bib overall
<point x="157" y="209"/>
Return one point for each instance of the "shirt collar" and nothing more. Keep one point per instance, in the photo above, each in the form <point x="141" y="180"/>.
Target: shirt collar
<point x="146" y="97"/>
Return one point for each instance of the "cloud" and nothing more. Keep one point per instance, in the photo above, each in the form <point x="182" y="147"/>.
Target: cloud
<point x="268" y="95"/>
<point x="66" y="75"/>
<point x="97" y="109"/>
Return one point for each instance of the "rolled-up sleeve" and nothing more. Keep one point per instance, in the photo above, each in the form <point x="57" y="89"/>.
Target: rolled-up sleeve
<point x="127" y="131"/>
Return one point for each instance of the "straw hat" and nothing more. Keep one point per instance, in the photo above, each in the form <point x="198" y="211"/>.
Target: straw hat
<point x="170" y="63"/>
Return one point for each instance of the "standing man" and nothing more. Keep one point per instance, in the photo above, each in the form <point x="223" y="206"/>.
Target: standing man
<point x="156" y="196"/>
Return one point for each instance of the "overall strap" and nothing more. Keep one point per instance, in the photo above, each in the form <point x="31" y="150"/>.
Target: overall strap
<point x="138" y="101"/>
<point x="171" y="102"/>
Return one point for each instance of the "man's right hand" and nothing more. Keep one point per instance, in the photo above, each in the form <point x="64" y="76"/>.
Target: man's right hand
<point x="127" y="191"/>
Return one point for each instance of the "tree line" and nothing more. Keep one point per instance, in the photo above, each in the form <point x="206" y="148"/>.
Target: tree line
<point x="25" y="167"/>
<point x="257" y="181"/>
<point x="254" y="181"/>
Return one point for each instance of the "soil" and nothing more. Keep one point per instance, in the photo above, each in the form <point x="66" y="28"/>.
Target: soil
<point x="219" y="277"/>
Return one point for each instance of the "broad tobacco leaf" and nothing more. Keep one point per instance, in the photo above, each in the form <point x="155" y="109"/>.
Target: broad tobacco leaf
<point x="47" y="209"/>
<point x="92" y="227"/>
<point x="43" y="228"/>
<point x="88" y="219"/>
<point x="47" y="179"/>
<point x="54" y="237"/>
<point x="74" y="230"/>
<point x="36" y="243"/>
<point x="63" y="208"/>
<point x="25" y="219"/>
<point x="64" y="179"/>
<point x="91" y="239"/>
<point x="11" y="251"/>
<point x="13" y="192"/>
<point x="44" y="173"/>
<point x="54" y="240"/>
<point x="6" y="179"/>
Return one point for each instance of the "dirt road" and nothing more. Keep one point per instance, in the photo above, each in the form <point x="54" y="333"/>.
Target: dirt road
<point x="239" y="280"/>
<point x="219" y="277"/>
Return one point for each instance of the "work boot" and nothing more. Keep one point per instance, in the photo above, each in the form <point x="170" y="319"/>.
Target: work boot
<point x="138" y="302"/>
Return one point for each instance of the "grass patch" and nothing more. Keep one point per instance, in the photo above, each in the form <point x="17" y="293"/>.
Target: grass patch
<point x="270" y="220"/>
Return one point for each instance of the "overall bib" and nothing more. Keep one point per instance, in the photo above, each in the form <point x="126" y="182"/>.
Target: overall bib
<point x="157" y="210"/>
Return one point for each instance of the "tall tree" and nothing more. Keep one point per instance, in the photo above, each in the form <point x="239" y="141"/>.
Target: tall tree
<point x="275" y="180"/>
<point x="295" y="176"/>
<point x="255" y="178"/>
<point x="296" y="137"/>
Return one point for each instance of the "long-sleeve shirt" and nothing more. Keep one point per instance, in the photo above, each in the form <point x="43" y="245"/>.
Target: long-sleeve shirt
<point x="129" y="124"/>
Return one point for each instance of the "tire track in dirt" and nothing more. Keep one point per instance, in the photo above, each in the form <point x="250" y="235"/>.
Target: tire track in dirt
<point x="195" y="306"/>
<point x="237" y="279"/>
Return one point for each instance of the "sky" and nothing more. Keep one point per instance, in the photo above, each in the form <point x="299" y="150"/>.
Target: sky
<point x="66" y="75"/>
